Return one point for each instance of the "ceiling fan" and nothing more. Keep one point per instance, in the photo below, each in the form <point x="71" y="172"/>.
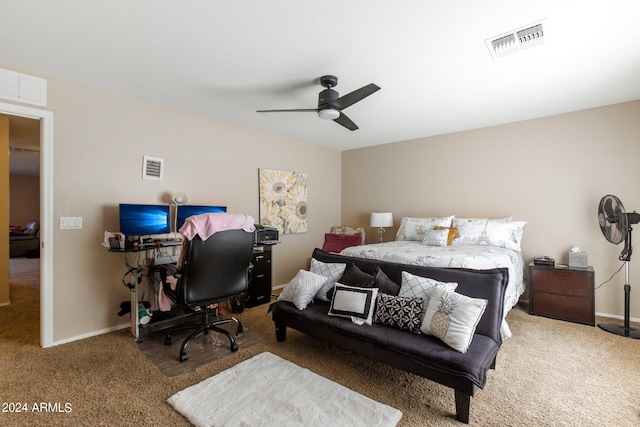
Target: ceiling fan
<point x="331" y="104"/>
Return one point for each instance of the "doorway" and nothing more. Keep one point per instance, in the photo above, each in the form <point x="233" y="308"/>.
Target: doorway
<point x="45" y="119"/>
<point x="24" y="224"/>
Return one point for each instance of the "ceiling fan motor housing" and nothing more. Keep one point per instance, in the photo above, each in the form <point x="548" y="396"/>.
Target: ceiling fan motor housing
<point x="326" y="98"/>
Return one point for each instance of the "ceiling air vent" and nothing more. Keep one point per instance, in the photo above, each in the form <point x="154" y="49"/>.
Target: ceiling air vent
<point x="152" y="168"/>
<point x="23" y="88"/>
<point x="514" y="41"/>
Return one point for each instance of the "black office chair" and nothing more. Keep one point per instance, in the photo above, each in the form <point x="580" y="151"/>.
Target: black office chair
<point x="214" y="270"/>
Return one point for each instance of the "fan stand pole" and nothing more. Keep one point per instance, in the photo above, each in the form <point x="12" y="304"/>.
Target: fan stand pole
<point x="615" y="328"/>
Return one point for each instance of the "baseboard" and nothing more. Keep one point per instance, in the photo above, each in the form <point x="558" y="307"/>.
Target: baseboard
<point x="278" y="287"/>
<point x="615" y="316"/>
<point x="91" y="334"/>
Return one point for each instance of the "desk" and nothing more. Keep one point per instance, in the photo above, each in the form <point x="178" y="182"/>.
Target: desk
<point x="137" y="272"/>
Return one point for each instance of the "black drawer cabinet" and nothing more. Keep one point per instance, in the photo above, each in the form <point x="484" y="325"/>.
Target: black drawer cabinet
<point x="562" y="293"/>
<point x="260" y="284"/>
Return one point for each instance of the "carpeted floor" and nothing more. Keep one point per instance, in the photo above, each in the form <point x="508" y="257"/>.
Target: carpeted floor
<point x="550" y="373"/>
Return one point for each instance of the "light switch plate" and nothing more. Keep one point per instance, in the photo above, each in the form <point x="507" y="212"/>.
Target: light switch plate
<point x="70" y="223"/>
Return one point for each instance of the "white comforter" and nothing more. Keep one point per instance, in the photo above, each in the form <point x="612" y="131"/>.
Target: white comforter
<point x="467" y="256"/>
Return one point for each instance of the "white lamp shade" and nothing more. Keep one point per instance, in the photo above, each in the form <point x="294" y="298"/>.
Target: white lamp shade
<point x="381" y="219"/>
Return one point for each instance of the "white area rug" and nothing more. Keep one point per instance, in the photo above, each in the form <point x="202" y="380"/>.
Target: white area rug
<point x="267" y="390"/>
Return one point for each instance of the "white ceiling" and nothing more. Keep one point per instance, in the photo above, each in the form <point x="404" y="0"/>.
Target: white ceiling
<point x="226" y="59"/>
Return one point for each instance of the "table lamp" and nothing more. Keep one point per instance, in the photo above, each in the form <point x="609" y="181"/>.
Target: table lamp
<point x="381" y="220"/>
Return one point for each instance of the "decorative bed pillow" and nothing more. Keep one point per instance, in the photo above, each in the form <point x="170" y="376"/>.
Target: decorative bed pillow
<point x="346" y="229"/>
<point x="335" y="243"/>
<point x="353" y="276"/>
<point x="453" y="233"/>
<point x="302" y="288"/>
<point x="355" y="303"/>
<point x="453" y="318"/>
<point x="399" y="312"/>
<point x="414" y="228"/>
<point x="440" y="236"/>
<point x="422" y="287"/>
<point x="331" y="271"/>
<point x="436" y="237"/>
<point x="385" y="284"/>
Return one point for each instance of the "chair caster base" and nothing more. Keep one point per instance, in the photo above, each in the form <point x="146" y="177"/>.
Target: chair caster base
<point x="167" y="340"/>
<point x="183" y="357"/>
<point x="234" y="347"/>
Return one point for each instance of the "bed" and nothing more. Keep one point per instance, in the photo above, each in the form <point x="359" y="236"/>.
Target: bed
<point x="476" y="243"/>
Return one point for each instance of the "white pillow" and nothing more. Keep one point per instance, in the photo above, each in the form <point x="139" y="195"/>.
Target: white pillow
<point x="302" y="288"/>
<point x="355" y="303"/>
<point x="472" y="231"/>
<point x="439" y="237"/>
<point x="421" y="287"/>
<point x="492" y="232"/>
<point x="505" y="234"/>
<point x="453" y="318"/>
<point x="414" y="228"/>
<point x="332" y="271"/>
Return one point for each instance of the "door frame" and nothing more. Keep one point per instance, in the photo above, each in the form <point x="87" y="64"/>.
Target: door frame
<point x="46" y="213"/>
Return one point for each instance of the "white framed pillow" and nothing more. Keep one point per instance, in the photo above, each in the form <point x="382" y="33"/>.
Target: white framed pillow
<point x="453" y="318"/>
<point x="332" y="271"/>
<point x="413" y="286"/>
<point x="414" y="228"/>
<point x="357" y="304"/>
<point x="302" y="289"/>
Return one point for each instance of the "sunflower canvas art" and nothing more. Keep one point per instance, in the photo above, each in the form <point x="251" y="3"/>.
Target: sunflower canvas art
<point x="283" y="200"/>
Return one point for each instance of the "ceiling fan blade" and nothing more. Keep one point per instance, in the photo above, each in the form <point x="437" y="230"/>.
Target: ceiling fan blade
<point x="346" y="122"/>
<point x="280" y="111"/>
<point x="355" y="96"/>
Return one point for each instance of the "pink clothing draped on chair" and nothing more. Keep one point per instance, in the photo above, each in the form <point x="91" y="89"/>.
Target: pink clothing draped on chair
<point x="204" y="225"/>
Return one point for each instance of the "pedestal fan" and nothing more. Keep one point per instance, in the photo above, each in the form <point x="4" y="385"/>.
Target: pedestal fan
<point x="615" y="224"/>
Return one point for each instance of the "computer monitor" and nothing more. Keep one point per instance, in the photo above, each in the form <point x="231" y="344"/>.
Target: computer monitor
<point x="185" y="211"/>
<point x="141" y="220"/>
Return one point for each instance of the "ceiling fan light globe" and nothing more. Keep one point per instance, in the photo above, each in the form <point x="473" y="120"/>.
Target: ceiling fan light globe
<point x="329" y="114"/>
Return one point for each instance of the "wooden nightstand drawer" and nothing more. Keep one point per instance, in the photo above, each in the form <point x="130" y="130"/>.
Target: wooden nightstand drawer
<point x="562" y="293"/>
<point x="562" y="307"/>
<point x="562" y="281"/>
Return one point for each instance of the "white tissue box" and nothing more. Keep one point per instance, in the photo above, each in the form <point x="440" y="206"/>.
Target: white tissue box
<point x="578" y="260"/>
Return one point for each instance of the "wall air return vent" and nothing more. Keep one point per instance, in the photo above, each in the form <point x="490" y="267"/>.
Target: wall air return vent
<point x="152" y="168"/>
<point x="23" y="88"/>
<point x="514" y="41"/>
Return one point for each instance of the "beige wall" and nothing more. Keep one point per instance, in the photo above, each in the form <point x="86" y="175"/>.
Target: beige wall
<point x="99" y="142"/>
<point x="550" y="172"/>
<point x="4" y="212"/>
<point x="24" y="196"/>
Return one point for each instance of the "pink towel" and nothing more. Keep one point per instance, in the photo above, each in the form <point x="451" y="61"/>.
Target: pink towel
<point x="206" y="224"/>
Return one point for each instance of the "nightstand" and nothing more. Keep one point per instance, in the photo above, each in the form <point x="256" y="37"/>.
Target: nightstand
<point x="562" y="293"/>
